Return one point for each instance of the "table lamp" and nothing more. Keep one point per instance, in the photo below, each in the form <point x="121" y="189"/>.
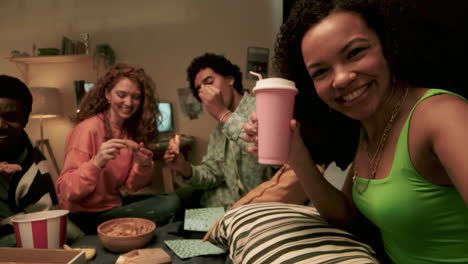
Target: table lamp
<point x="46" y="104"/>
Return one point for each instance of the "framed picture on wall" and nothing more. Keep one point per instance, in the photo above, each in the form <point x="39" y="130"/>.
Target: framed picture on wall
<point x="190" y="106"/>
<point x="257" y="61"/>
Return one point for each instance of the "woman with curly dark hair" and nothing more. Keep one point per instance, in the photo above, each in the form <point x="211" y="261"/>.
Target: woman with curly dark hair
<point x="409" y="169"/>
<point x="107" y="150"/>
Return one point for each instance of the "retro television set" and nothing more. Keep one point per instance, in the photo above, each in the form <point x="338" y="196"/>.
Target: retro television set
<point x="166" y="119"/>
<point x="81" y="88"/>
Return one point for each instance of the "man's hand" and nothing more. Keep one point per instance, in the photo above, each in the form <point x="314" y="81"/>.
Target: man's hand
<point x="7" y="168"/>
<point x="212" y="100"/>
<point x="251" y="134"/>
<point x="177" y="162"/>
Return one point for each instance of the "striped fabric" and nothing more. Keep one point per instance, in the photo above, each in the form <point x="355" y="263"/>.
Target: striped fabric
<point x="29" y="190"/>
<point x="286" y="233"/>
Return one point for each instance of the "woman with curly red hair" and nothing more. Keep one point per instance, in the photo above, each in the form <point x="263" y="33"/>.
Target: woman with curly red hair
<point x="107" y="150"/>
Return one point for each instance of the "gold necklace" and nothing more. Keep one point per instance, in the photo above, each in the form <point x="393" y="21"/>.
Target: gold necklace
<point x="374" y="162"/>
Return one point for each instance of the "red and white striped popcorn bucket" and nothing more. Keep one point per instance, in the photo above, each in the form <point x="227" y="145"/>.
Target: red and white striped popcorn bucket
<point x="46" y="229"/>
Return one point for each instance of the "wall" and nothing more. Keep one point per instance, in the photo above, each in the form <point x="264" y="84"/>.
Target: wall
<point x="160" y="35"/>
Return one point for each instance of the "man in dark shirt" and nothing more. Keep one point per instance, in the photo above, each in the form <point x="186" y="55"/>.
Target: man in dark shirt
<point x="25" y="183"/>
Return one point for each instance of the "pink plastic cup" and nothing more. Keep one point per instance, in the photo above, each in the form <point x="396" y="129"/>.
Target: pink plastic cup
<point x="45" y="229"/>
<point x="275" y="104"/>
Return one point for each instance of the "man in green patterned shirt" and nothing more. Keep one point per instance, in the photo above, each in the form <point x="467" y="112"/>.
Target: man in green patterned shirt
<point x="227" y="172"/>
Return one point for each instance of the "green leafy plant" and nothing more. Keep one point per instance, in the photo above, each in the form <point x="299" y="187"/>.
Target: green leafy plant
<point x="17" y="53"/>
<point x="103" y="53"/>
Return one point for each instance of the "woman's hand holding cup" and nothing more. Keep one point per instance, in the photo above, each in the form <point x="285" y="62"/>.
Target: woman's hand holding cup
<point x="296" y="149"/>
<point x="251" y="134"/>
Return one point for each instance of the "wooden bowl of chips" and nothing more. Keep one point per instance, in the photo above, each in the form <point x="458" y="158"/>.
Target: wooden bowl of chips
<point x="124" y="234"/>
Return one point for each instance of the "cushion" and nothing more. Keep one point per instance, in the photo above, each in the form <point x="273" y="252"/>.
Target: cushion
<point x="283" y="187"/>
<point x="286" y="233"/>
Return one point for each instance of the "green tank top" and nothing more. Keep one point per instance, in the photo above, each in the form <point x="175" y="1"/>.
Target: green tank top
<point x="420" y="222"/>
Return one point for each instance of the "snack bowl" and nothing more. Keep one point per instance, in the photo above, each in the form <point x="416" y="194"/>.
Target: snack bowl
<point x="127" y="233"/>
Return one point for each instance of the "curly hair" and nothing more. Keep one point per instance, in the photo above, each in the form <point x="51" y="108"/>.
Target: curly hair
<point x="288" y="59"/>
<point x="323" y="128"/>
<point x="414" y="56"/>
<point x="218" y="64"/>
<point x="141" y="126"/>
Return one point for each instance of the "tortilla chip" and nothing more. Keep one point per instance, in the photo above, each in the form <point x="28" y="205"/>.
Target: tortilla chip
<point x="130" y="257"/>
<point x="132" y="144"/>
<point x="145" y="256"/>
<point x="174" y="143"/>
<point x="153" y="255"/>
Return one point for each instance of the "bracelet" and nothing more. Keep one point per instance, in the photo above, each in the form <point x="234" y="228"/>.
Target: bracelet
<point x="224" y="115"/>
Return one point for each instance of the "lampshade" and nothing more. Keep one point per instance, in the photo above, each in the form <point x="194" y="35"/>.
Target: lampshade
<point x="46" y="102"/>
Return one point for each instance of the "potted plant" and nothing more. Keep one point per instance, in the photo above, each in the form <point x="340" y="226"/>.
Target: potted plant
<point x="104" y="55"/>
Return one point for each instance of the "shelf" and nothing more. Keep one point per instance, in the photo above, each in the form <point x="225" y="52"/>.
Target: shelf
<point x="22" y="63"/>
<point x="50" y="59"/>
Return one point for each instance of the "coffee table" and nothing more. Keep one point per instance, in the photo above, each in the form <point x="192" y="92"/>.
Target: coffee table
<point x="167" y="232"/>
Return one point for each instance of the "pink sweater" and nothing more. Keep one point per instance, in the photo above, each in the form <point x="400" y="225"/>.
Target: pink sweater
<point x="84" y="187"/>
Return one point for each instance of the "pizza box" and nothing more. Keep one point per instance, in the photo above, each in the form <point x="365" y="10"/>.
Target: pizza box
<point x="40" y="256"/>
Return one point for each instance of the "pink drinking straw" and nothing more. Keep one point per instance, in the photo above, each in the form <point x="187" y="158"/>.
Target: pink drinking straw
<point x="256" y="74"/>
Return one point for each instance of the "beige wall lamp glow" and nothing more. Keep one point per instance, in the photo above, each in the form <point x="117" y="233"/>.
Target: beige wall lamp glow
<point x="46" y="104"/>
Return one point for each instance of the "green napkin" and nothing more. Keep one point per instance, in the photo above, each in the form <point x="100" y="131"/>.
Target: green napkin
<point x="202" y="219"/>
<point x="187" y="248"/>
